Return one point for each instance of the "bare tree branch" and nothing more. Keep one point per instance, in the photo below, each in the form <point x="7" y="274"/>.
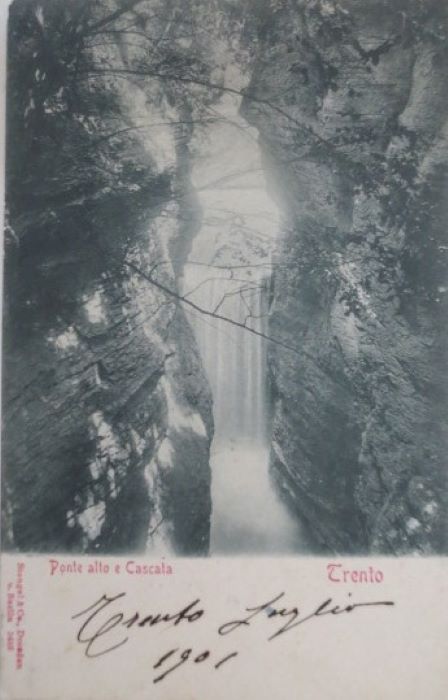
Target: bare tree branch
<point x="237" y="292"/>
<point x="178" y="297"/>
<point x="149" y="73"/>
<point x="154" y="125"/>
<point x="126" y="7"/>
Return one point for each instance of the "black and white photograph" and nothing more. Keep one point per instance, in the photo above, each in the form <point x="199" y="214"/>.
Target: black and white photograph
<point x="225" y="278"/>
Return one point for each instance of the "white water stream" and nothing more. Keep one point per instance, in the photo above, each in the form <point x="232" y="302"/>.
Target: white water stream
<point x="226" y="274"/>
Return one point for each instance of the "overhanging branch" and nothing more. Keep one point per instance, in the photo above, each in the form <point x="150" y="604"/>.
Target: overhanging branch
<point x="179" y="298"/>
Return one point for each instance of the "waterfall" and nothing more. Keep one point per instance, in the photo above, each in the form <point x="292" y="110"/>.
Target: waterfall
<point x="234" y="358"/>
<point x="226" y="274"/>
<point x="247" y="514"/>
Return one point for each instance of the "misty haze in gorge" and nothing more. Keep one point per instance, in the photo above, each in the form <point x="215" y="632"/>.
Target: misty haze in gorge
<point x="225" y="277"/>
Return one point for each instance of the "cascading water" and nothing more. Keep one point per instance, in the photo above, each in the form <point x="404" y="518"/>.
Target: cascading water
<point x="234" y="358"/>
<point x="226" y="274"/>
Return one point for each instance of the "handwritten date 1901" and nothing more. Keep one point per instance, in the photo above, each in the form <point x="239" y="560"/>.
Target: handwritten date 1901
<point x="104" y="630"/>
<point x="185" y="656"/>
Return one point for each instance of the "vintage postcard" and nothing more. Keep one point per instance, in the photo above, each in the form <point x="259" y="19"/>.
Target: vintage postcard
<point x="224" y="349"/>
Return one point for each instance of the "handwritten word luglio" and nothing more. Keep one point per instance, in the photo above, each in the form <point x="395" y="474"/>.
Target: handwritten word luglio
<point x="106" y="626"/>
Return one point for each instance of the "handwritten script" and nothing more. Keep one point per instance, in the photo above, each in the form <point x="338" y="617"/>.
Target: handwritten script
<point x="105" y="626"/>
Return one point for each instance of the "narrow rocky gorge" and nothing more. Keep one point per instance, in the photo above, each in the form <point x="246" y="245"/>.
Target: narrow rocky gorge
<point x="115" y="112"/>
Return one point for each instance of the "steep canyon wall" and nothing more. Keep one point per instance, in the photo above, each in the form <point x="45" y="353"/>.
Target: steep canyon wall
<point x="351" y="100"/>
<point x="107" y="413"/>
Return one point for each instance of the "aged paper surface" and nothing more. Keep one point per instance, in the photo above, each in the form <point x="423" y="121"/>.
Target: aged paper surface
<point x="224" y="382"/>
<point x="397" y="652"/>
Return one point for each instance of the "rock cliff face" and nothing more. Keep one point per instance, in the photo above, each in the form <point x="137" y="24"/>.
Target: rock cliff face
<point x="351" y="100"/>
<point x="107" y="412"/>
<point x="106" y="407"/>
